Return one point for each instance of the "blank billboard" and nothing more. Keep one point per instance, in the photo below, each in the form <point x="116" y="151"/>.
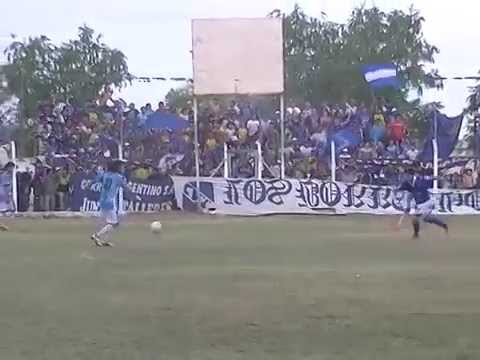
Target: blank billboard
<point x="237" y="56"/>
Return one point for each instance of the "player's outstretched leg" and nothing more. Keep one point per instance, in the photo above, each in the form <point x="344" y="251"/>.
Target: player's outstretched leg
<point x="96" y="240"/>
<point x="3" y="227"/>
<point x="111" y="222"/>
<point x="416" y="227"/>
<point x="105" y="241"/>
<point x="432" y="219"/>
<point x="99" y="237"/>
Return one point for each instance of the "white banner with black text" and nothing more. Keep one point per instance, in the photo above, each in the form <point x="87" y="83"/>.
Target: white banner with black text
<point x="297" y="196"/>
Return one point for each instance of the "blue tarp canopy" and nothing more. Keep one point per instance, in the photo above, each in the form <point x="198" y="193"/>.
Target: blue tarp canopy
<point x="164" y="120"/>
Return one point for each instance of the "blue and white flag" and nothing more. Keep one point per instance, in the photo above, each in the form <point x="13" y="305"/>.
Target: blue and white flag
<point x="381" y="75"/>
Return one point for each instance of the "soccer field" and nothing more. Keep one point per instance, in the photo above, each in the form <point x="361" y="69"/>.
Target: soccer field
<point x="240" y="288"/>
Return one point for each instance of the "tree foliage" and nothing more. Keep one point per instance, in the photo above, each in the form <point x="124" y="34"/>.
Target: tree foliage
<point x="474" y="98"/>
<point x="180" y="98"/>
<point x="324" y="59"/>
<point x="4" y="93"/>
<point x="473" y="119"/>
<point x="38" y="70"/>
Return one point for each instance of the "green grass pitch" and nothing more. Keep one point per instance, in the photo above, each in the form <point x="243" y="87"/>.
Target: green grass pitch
<point x="240" y="288"/>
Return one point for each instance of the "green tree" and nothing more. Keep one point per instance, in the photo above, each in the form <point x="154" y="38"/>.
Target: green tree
<point x="8" y="109"/>
<point x="4" y="93"/>
<point x="324" y="59"/>
<point x="473" y="99"/>
<point x="180" y="98"/>
<point x="472" y="111"/>
<point x="84" y="66"/>
<point x="38" y="70"/>
<point x="29" y="71"/>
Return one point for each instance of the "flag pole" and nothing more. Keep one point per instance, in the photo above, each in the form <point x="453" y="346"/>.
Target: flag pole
<point x="259" y="160"/>
<point x="121" y="203"/>
<point x="225" y="161"/>
<point x="282" y="136"/>
<point x="435" y="152"/>
<point x="333" y="161"/>
<point x="13" y="155"/>
<point x="196" y="149"/>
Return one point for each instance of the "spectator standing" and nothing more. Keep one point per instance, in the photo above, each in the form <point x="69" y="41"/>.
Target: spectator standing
<point x="253" y="128"/>
<point x="131" y="112"/>
<point x="468" y="182"/>
<point x="38" y="185"/>
<point x="131" y="117"/>
<point x="50" y="190"/>
<point x="397" y="130"/>
<point x="379" y="118"/>
<point x="148" y="109"/>
<point x="325" y="119"/>
<point x="62" y="179"/>
<point x="24" y="184"/>
<point x="142" y="117"/>
<point x="309" y="117"/>
<point x="161" y="107"/>
<point x="365" y="122"/>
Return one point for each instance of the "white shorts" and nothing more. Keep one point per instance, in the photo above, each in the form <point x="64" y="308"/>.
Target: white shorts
<point x="424" y="209"/>
<point x="110" y="216"/>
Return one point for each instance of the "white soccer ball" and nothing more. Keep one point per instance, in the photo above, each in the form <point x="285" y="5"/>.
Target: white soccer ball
<point x="156" y="227"/>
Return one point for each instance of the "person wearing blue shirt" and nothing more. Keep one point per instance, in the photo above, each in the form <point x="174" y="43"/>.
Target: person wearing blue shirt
<point x="6" y="192"/>
<point x="112" y="181"/>
<point x="418" y="188"/>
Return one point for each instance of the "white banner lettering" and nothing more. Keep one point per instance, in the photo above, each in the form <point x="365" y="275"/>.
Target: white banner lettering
<point x="301" y="196"/>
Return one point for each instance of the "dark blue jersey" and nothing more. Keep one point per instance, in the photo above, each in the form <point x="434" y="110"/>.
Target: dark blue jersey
<point x="418" y="188"/>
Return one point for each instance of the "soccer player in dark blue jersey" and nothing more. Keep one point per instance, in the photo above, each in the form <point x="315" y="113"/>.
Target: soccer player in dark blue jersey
<point x="419" y="190"/>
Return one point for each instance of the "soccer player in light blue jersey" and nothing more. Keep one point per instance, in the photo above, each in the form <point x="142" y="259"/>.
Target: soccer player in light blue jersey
<point x="112" y="181"/>
<point x="6" y="191"/>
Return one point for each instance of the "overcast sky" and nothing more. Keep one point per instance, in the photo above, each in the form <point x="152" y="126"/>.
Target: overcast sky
<point x="155" y="34"/>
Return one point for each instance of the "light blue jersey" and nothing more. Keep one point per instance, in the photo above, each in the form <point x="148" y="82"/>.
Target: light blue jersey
<point x="111" y="185"/>
<point x="5" y="191"/>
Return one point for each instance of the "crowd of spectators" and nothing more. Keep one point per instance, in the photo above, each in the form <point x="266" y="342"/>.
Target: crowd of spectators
<point x="90" y="133"/>
<point x="381" y="135"/>
<point x="72" y="137"/>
